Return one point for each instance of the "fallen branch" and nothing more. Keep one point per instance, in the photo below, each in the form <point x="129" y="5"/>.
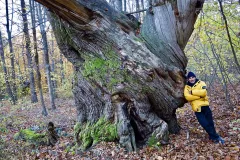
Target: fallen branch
<point x="143" y="10"/>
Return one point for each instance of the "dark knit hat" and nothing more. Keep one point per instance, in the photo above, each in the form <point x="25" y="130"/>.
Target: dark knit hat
<point x="190" y="74"/>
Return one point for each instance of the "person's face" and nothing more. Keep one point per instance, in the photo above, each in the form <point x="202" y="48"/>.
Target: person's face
<point x="192" y="79"/>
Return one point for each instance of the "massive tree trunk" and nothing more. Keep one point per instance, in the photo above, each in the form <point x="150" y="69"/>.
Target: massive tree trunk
<point x="138" y="81"/>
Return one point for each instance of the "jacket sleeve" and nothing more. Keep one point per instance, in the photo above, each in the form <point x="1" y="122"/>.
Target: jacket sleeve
<point x="188" y="96"/>
<point x="202" y="92"/>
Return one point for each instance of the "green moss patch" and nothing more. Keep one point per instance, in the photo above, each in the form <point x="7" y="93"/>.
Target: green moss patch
<point x="108" y="71"/>
<point x="31" y="137"/>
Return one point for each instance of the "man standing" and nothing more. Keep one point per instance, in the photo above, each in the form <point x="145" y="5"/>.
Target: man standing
<point x="196" y="93"/>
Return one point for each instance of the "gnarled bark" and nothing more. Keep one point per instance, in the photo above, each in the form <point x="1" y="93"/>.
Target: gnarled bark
<point x="150" y="75"/>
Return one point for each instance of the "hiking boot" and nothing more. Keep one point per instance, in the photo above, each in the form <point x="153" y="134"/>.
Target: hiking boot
<point x="219" y="140"/>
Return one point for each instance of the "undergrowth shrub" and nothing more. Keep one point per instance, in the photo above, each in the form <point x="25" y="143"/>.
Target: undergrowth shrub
<point x="153" y="142"/>
<point x="2" y="146"/>
<point x="2" y="86"/>
<point x="65" y="90"/>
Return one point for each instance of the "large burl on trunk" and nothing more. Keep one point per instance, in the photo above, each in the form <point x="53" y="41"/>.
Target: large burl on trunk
<point x="137" y="81"/>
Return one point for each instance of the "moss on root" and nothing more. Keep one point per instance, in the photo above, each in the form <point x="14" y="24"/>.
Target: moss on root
<point x="102" y="130"/>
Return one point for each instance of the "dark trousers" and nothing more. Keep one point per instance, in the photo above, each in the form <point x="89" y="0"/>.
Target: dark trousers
<point x="206" y="120"/>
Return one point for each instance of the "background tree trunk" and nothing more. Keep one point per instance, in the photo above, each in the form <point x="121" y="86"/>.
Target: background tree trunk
<point x="33" y="13"/>
<point x="137" y="9"/>
<point x="28" y="51"/>
<point x="61" y="68"/>
<point x="12" y="56"/>
<point x="54" y="81"/>
<point x="46" y="57"/>
<point x="229" y="37"/>
<point x="142" y="3"/>
<point x="117" y="4"/>
<point x="8" y="89"/>
<point x="23" y="57"/>
<point x="19" y="68"/>
<point x="125" y="5"/>
<point x="148" y="71"/>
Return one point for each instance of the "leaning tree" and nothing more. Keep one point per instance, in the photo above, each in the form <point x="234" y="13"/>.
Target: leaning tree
<point x="136" y="80"/>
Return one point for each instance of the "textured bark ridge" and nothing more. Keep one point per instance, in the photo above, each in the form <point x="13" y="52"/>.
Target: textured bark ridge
<point x="135" y="81"/>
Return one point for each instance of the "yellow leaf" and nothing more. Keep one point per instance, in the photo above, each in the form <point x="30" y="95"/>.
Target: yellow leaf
<point x="236" y="148"/>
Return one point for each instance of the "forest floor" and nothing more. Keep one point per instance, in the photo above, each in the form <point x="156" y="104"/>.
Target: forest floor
<point x="191" y="143"/>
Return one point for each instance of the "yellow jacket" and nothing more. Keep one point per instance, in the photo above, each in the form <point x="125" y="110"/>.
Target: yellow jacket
<point x="196" y="95"/>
